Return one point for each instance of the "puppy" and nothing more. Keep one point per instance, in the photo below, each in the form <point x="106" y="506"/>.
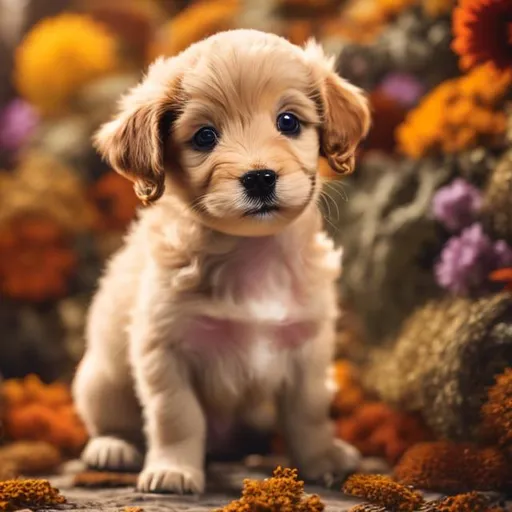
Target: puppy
<point x="223" y="296"/>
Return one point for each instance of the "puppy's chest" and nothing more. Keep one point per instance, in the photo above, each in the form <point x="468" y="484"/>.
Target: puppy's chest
<point x="259" y="300"/>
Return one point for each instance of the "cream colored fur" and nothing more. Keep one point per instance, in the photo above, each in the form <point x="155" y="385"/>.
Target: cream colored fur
<point x="206" y="310"/>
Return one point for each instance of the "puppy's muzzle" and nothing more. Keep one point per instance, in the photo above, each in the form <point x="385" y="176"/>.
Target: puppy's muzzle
<point x="260" y="185"/>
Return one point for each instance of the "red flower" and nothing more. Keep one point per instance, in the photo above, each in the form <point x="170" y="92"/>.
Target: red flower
<point x="502" y="275"/>
<point x="483" y="32"/>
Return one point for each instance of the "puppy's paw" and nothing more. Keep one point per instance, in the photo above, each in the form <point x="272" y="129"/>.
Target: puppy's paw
<point x="171" y="479"/>
<point x="333" y="465"/>
<point x="112" y="454"/>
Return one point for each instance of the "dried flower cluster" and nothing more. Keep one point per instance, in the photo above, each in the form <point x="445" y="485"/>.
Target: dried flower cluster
<point x="497" y="411"/>
<point x="32" y="494"/>
<point x="283" y="492"/>
<point x="451" y="467"/>
<point x="382" y="490"/>
<point x="458" y="114"/>
<point x="374" y="428"/>
<point x="36" y="411"/>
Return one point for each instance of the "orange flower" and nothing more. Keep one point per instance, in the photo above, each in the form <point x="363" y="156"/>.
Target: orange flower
<point x="502" y="275"/>
<point x="458" y="114"/>
<point x="483" y="32"/>
<point x="42" y="412"/>
<point x="36" y="259"/>
<point x="115" y="200"/>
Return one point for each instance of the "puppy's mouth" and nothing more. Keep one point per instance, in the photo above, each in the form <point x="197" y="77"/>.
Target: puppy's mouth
<point x="264" y="209"/>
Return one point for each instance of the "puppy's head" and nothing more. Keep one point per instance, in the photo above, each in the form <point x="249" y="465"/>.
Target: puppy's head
<point x="234" y="126"/>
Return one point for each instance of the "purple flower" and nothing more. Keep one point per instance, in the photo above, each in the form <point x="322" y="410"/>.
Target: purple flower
<point x="17" y="122"/>
<point x="455" y="205"/>
<point x="467" y="260"/>
<point x="403" y="87"/>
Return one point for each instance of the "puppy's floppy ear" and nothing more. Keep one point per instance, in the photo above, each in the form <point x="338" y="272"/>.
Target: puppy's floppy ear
<point x="133" y="142"/>
<point x="344" y="108"/>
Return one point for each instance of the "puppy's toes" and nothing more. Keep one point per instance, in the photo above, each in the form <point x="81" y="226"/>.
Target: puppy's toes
<point x="331" y="467"/>
<point x="171" y="479"/>
<point x="112" y="454"/>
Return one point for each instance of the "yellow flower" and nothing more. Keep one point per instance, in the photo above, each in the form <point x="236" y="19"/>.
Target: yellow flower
<point x="60" y="55"/>
<point x="457" y="114"/>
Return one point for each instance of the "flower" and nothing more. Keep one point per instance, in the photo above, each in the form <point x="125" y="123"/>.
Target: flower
<point x="34" y="411"/>
<point x="483" y="32"/>
<point x="17" y="122"/>
<point x="36" y="259"/>
<point x="444" y="466"/>
<point x="455" y="205"/>
<point x="497" y="411"/>
<point x="468" y="502"/>
<point x="115" y="200"/>
<point x="402" y="87"/>
<point x="381" y="490"/>
<point x="281" y="493"/>
<point x="60" y="55"/>
<point x="458" y="114"/>
<point x="466" y="260"/>
<point x="198" y="21"/>
<point x="33" y="494"/>
<point x="502" y="275"/>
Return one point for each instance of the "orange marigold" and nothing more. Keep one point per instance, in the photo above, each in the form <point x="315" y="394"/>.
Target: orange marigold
<point x="497" y="411"/>
<point x="42" y="412"/>
<point x="36" y="259"/>
<point x="458" y="114"/>
<point x="382" y="490"/>
<point x="483" y="32"/>
<point x="450" y="467"/>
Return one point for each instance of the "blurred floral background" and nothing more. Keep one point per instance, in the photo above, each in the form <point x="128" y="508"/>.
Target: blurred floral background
<point x="425" y="221"/>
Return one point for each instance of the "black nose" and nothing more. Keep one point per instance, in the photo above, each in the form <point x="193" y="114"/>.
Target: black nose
<point x="259" y="184"/>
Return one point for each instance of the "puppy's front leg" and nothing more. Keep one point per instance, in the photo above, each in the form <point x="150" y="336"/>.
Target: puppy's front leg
<point x="174" y="421"/>
<point x="304" y="413"/>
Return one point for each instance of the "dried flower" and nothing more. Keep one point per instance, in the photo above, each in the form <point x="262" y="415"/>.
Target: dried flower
<point x="382" y="490"/>
<point x="458" y="114"/>
<point x="115" y="200"/>
<point x="33" y="494"/>
<point x="450" y="467"/>
<point x="281" y="493"/>
<point x="468" y="502"/>
<point x="467" y="260"/>
<point x="77" y="46"/>
<point x="36" y="259"/>
<point x="497" y="411"/>
<point x="456" y="204"/>
<point x="17" y="122"/>
<point x="483" y="32"/>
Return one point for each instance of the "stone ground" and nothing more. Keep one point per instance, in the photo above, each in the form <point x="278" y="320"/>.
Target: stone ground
<point x="225" y="483"/>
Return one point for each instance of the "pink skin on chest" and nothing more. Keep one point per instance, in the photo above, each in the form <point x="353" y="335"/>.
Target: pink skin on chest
<point x="258" y="275"/>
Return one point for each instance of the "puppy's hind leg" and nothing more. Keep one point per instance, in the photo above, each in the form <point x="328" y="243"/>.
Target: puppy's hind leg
<point x="112" y="416"/>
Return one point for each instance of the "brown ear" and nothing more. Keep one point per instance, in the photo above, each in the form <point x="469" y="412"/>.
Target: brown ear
<point x="345" y="112"/>
<point x="132" y="143"/>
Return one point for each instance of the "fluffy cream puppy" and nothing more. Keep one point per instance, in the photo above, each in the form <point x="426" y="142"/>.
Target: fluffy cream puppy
<point x="223" y="296"/>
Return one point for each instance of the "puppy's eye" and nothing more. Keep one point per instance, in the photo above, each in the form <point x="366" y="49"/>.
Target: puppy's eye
<point x="205" y="139"/>
<point x="288" y="124"/>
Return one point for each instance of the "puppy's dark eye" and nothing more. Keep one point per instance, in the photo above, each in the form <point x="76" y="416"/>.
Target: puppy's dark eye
<point x="288" y="124"/>
<point x="205" y="139"/>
